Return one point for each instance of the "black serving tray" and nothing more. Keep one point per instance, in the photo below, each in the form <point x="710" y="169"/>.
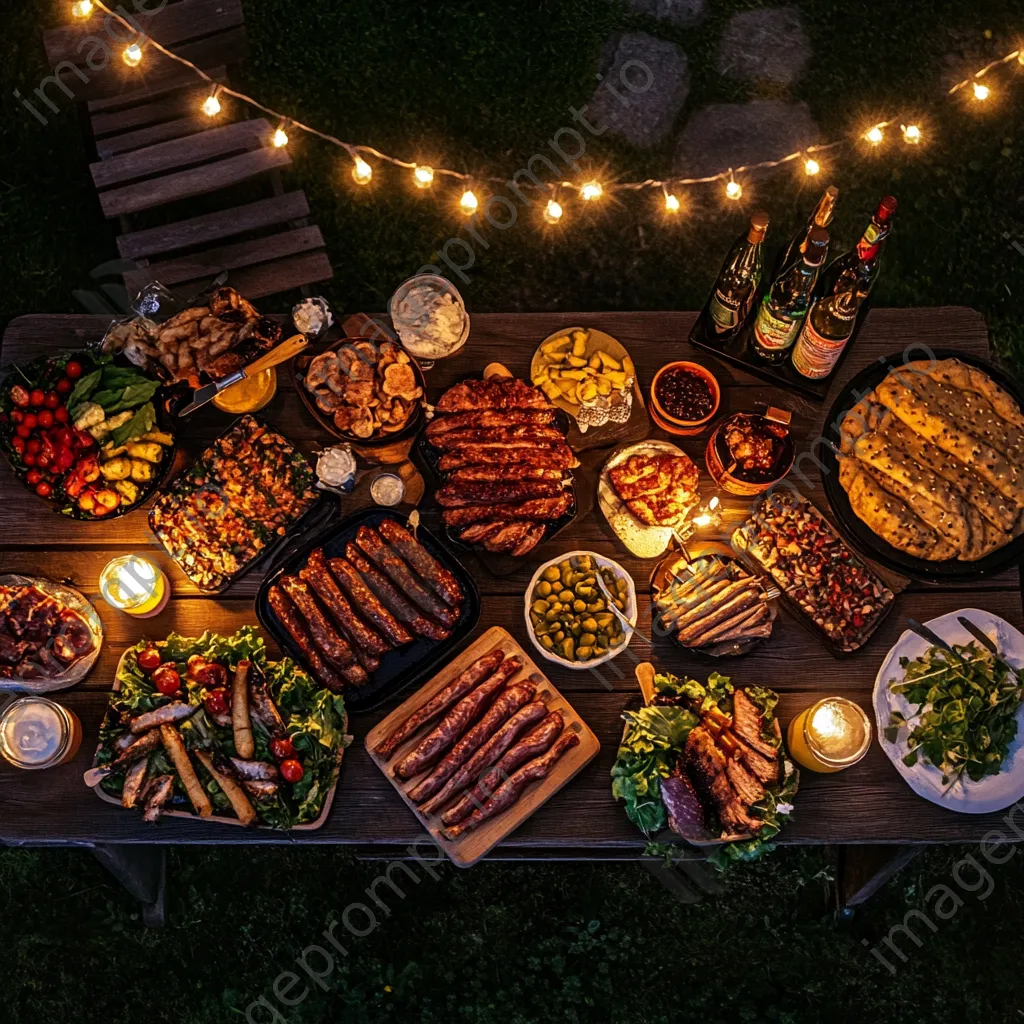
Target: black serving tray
<point x="856" y="531"/>
<point x="399" y="669"/>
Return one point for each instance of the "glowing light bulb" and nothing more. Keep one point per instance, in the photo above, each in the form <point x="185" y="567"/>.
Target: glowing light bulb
<point x="469" y="202"/>
<point x="362" y="172"/>
<point x="1020" y="56"/>
<point x="211" y="106"/>
<point x="811" y="166"/>
<point x="280" y="138"/>
<point x="733" y="190"/>
<point x="132" y="55"/>
<point x="552" y="212"/>
<point x="874" y="136"/>
<point x="81" y="8"/>
<point x="591" y="190"/>
<point x="911" y="134"/>
<point x="981" y="92"/>
<point x="423" y="176"/>
<point x="671" y="203"/>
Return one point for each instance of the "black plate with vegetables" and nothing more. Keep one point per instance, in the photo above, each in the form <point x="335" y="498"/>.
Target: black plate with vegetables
<point x="85" y="433"/>
<point x="208" y="727"/>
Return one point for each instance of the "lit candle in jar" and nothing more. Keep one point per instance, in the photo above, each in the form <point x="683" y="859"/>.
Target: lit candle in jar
<point x="830" y="735"/>
<point x="134" y="585"/>
<point x="38" y="733"/>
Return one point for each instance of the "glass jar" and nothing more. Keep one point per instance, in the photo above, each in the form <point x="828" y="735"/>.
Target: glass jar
<point x="829" y="736"/>
<point x="36" y="732"/>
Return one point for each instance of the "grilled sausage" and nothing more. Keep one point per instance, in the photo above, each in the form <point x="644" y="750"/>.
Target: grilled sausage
<point x="506" y="704"/>
<point x="366" y="601"/>
<point x="441" y="701"/>
<point x="533" y="744"/>
<point x="285" y="611"/>
<point x="333" y="647"/>
<point x="385" y="558"/>
<point x="455" y="723"/>
<point x="510" y="790"/>
<point x="487" y="754"/>
<point x="360" y="635"/>
<point x="167" y="714"/>
<point x="385" y="591"/>
<point x="437" y="577"/>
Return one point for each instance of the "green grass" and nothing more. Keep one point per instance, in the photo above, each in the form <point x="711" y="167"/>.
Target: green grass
<point x="483" y="86"/>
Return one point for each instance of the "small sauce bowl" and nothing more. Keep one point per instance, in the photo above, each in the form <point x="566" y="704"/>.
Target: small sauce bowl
<point x="673" y="424"/>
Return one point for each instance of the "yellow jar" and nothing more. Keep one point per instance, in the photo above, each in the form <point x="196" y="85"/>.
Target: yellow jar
<point x="829" y="736"/>
<point x="250" y="394"/>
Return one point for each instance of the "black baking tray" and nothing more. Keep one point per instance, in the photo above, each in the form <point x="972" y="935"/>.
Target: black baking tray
<point x="399" y="669"/>
<point x="856" y="531"/>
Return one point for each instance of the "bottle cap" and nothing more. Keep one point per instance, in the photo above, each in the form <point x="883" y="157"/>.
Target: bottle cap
<point x="886" y="208"/>
<point x="758" y="227"/>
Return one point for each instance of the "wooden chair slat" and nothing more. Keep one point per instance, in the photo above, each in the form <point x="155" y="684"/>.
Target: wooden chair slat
<point x="127" y="142"/>
<point x="176" y="104"/>
<point x="229" y="257"/>
<point x="277" y="276"/>
<point x="213" y="227"/>
<point x="197" y="181"/>
<point x="173" y="25"/>
<point x="169" y="156"/>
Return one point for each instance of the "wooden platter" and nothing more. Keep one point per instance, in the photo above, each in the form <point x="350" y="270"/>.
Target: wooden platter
<point x="466" y="851"/>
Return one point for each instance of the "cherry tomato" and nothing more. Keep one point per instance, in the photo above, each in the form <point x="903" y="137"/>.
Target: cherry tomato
<point x="33" y="445"/>
<point x="148" y="659"/>
<point x="18" y="444"/>
<point x="45" y="419"/>
<point x="37" y="397"/>
<point x="23" y="432"/>
<point x="65" y="459"/>
<point x="43" y="489"/>
<point x="20" y="396"/>
<point x="52" y="400"/>
<point x="216" y="702"/>
<point x="64" y="386"/>
<point x="30" y="419"/>
<point x="282" y="750"/>
<point x="211" y="675"/>
<point x="291" y="770"/>
<point x="43" y="459"/>
<point x="73" y="369"/>
<point x="166" y="679"/>
<point x="28" y="458"/>
<point x="17" y="416"/>
<point x="33" y="476"/>
<point x="60" y="414"/>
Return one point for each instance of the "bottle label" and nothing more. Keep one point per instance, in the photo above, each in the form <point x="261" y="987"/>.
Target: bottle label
<point x="725" y="314"/>
<point x="815" y="356"/>
<point x="773" y="333"/>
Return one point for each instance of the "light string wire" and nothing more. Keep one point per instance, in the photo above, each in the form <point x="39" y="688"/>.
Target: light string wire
<point x="424" y="174"/>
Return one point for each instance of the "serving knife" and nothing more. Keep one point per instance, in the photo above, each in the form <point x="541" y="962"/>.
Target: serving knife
<point x="289" y="347"/>
<point x="931" y="636"/>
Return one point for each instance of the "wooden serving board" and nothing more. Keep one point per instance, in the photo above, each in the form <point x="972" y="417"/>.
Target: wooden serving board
<point x="467" y="850"/>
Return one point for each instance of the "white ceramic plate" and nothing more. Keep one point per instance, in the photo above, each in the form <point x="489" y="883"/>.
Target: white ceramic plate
<point x="630" y="613"/>
<point x="992" y="793"/>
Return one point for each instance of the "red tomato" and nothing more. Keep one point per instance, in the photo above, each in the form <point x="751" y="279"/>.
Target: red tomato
<point x="73" y="369"/>
<point x="45" y="419"/>
<point x="30" y="419"/>
<point x="43" y="489"/>
<point x="211" y="675"/>
<point x="216" y="702"/>
<point x="65" y="459"/>
<point x="282" y="750"/>
<point x="63" y="435"/>
<point x="33" y="476"/>
<point x="28" y="458"/>
<point x="33" y="445"/>
<point x="44" y="459"/>
<point x="23" y="432"/>
<point x="37" y="397"/>
<point x="291" y="770"/>
<point x="64" y="386"/>
<point x="166" y="679"/>
<point x="18" y="444"/>
<point x="17" y="416"/>
<point x="60" y="414"/>
<point x="52" y="400"/>
<point x="19" y="396"/>
<point x="148" y="659"/>
<point x="84" y="439"/>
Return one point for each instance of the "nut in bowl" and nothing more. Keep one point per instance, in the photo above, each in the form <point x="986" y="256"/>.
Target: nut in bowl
<point x="684" y="397"/>
<point x="568" y="614"/>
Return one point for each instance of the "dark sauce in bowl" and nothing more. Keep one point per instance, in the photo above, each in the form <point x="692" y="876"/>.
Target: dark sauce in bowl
<point x="685" y="394"/>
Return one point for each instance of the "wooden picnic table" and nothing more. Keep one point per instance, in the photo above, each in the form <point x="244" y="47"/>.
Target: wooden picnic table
<point x="867" y="804"/>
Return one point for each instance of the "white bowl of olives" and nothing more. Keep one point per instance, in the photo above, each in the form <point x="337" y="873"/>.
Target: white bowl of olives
<point x="568" y="616"/>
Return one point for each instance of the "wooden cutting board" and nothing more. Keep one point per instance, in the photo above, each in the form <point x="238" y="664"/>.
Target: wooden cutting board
<point x="469" y="848"/>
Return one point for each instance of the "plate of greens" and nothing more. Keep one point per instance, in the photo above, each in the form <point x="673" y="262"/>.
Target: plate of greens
<point x="210" y="728"/>
<point x="951" y="723"/>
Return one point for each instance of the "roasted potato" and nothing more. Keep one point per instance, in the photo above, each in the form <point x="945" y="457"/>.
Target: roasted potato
<point x="141" y="472"/>
<point x="127" y="490"/>
<point x="118" y="468"/>
<point x="148" y="451"/>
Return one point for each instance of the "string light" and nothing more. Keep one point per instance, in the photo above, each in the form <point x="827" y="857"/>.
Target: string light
<point x="981" y="92"/>
<point x="423" y="176"/>
<point x="211" y="105"/>
<point x="132" y="55"/>
<point x="591" y="190"/>
<point x="874" y="136"/>
<point x="733" y="189"/>
<point x="280" y="138"/>
<point x="911" y="134"/>
<point x="362" y="172"/>
<point x="552" y="212"/>
<point x="469" y="202"/>
<point x="81" y="8"/>
<point x="811" y="166"/>
<point x="671" y="203"/>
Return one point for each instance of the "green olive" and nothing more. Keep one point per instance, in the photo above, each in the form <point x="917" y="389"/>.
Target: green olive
<point x="568" y="647"/>
<point x="566" y="577"/>
<point x="620" y="604"/>
<point x="547" y="643"/>
<point x="604" y="620"/>
<point x="584" y="652"/>
<point x="620" y="586"/>
<point x="584" y="591"/>
<point x="566" y="597"/>
<point x="588" y="639"/>
<point x="551" y="574"/>
<point x="543" y="589"/>
<point x="575" y="629"/>
<point x="584" y="561"/>
<point x="590" y="625"/>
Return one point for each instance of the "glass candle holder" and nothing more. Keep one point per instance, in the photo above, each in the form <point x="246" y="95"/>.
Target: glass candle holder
<point x="134" y="585"/>
<point x="36" y="732"/>
<point x="829" y="736"/>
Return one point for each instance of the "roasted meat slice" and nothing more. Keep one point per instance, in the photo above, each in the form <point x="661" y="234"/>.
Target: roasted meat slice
<point x="479" y="532"/>
<point x="456" y="495"/>
<point x="558" y="456"/>
<point x="747" y="787"/>
<point x="516" y="471"/>
<point x="455" y="439"/>
<point x="494" y="393"/>
<point x="748" y="724"/>
<point x="489" y="419"/>
<point x="765" y="768"/>
<point x="537" y="509"/>
<point x="508" y="538"/>
<point x="706" y="765"/>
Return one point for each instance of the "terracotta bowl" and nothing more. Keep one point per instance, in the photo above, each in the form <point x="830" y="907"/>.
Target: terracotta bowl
<point x="672" y="424"/>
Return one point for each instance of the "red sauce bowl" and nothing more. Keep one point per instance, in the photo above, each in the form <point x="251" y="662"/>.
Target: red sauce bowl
<point x="673" y="424"/>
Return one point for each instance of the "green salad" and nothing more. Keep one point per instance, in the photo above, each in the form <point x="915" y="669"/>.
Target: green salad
<point x="705" y="761"/>
<point x="186" y="686"/>
<point x="965" y="710"/>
